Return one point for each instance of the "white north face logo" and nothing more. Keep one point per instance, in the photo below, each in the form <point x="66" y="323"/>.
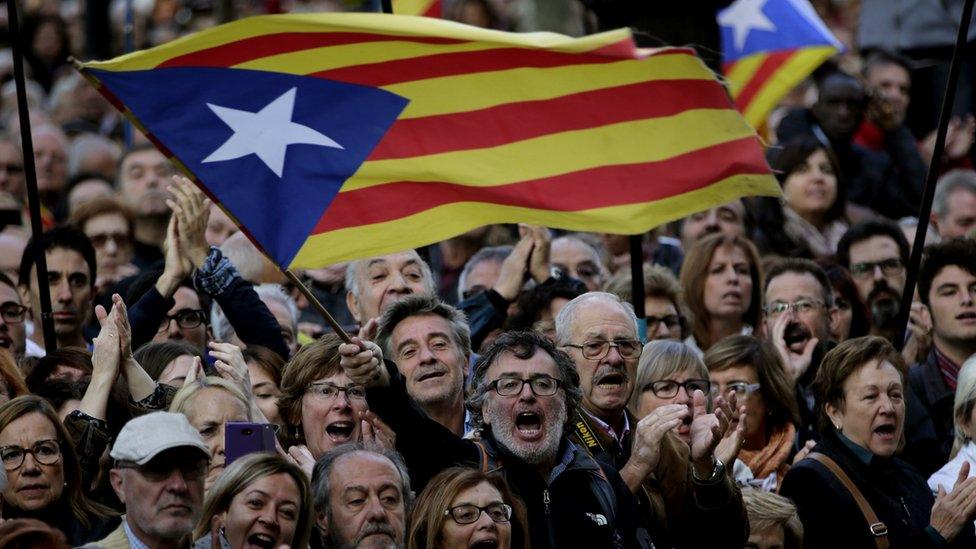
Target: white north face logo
<point x="600" y="520"/>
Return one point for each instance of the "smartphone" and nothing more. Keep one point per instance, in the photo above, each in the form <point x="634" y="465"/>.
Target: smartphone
<point x="243" y="438"/>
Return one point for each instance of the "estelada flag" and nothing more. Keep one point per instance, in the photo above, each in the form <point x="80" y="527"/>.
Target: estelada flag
<point x="338" y="136"/>
<point x="768" y="47"/>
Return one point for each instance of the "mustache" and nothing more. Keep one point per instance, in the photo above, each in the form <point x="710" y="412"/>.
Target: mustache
<point x="373" y="528"/>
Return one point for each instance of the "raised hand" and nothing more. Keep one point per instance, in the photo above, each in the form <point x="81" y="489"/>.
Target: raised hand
<point x="956" y="509"/>
<point x="363" y="362"/>
<point x="796" y="363"/>
<point x="230" y="365"/>
<point x="513" y="269"/>
<point x="192" y="211"/>
<point x="707" y="430"/>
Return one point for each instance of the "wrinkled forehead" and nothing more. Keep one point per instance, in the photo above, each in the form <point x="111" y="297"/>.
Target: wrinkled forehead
<point x="397" y="262"/>
<point x="508" y="364"/>
<point x="363" y="469"/>
<point x="572" y="251"/>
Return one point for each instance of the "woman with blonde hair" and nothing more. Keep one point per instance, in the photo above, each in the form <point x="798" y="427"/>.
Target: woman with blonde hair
<point x="262" y="499"/>
<point x="963" y="447"/>
<point x="773" y="520"/>
<point x="721" y="279"/>
<point x="209" y="403"/>
<point x="462" y="507"/>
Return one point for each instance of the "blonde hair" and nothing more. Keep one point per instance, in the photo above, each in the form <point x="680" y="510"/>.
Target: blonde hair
<point x="241" y="474"/>
<point x="965" y="400"/>
<point x="662" y="359"/>
<point x="183" y="399"/>
<point x="768" y="510"/>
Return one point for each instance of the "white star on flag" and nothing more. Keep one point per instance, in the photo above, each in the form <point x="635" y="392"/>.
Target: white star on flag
<point x="744" y="16"/>
<point x="266" y="133"/>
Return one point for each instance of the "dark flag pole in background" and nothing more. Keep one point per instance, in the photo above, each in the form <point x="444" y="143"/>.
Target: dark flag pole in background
<point x="30" y="173"/>
<point x="637" y="283"/>
<point x="933" y="174"/>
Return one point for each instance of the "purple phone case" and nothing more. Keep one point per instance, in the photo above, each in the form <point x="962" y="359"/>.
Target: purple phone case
<point x="243" y="438"/>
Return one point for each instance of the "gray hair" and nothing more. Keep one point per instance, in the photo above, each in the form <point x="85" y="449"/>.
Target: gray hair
<point x="523" y="345"/>
<point x="567" y="315"/>
<point x="491" y="253"/>
<point x="322" y="484"/>
<point x="949" y="183"/>
<point x="87" y="144"/>
<point x="662" y="359"/>
<point x="965" y="400"/>
<point x="352" y="274"/>
<point x="221" y="326"/>
<point x="421" y="304"/>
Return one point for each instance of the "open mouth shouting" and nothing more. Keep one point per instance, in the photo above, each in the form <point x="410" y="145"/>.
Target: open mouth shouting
<point x="489" y="542"/>
<point x="886" y="432"/>
<point x="796" y="336"/>
<point x="262" y="540"/>
<point x="340" y="432"/>
<point x="529" y="425"/>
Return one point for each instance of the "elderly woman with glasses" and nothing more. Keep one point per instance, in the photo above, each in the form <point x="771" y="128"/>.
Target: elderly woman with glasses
<point x="43" y="475"/>
<point x="463" y="507"/>
<point x="752" y="368"/>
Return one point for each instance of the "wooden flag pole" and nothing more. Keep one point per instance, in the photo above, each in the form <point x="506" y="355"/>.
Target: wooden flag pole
<point x="315" y="303"/>
<point x="933" y="174"/>
<point x="637" y="283"/>
<point x="30" y="174"/>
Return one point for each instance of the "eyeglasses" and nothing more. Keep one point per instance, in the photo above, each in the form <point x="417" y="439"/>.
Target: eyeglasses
<point x="597" y="349"/>
<point x="469" y="513"/>
<point x="800" y="307"/>
<point x="158" y="470"/>
<point x="120" y="239"/>
<point x="331" y="390"/>
<point x="667" y="388"/>
<point x="45" y="452"/>
<point x="741" y="388"/>
<point x="670" y="321"/>
<point x="186" y="319"/>
<point x="12" y="168"/>
<point x="540" y="385"/>
<point x="866" y="269"/>
<point x="12" y="313"/>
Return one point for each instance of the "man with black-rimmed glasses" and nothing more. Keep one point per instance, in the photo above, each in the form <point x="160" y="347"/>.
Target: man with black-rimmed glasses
<point x="599" y="331"/>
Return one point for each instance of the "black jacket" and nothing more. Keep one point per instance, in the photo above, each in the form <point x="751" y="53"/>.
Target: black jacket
<point x="896" y="492"/>
<point x="569" y="509"/>
<point x="937" y="398"/>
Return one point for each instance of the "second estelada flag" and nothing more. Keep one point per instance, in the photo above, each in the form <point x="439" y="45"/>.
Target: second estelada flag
<point x="336" y="136"/>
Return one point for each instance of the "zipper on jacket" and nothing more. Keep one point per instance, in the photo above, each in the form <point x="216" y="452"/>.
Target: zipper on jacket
<point x="545" y="499"/>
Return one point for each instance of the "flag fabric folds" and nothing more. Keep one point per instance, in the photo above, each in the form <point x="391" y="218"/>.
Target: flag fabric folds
<point x="768" y="47"/>
<point x="427" y="8"/>
<point x="331" y="137"/>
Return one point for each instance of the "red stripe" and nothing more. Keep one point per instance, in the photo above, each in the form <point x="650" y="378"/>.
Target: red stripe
<point x="454" y="63"/>
<point x="517" y="121"/>
<point x="599" y="187"/>
<point x="770" y="65"/>
<point x="249" y="49"/>
<point x="433" y="10"/>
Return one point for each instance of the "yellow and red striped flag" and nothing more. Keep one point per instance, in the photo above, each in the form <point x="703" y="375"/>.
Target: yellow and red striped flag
<point x="427" y="8"/>
<point x="337" y="136"/>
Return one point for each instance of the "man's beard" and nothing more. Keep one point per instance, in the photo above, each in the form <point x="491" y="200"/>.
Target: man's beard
<point x="885" y="304"/>
<point x="534" y="453"/>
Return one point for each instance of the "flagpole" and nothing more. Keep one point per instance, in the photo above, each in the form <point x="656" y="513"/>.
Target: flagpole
<point x="30" y="174"/>
<point x="933" y="174"/>
<point x="637" y="283"/>
<point x="336" y="327"/>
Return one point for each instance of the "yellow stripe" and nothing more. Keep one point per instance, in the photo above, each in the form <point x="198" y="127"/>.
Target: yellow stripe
<point x="466" y="92"/>
<point x="398" y="25"/>
<point x="411" y="7"/>
<point x="740" y="73"/>
<point x="553" y="154"/>
<point x="452" y="219"/>
<point x="335" y="57"/>
<point x="791" y="73"/>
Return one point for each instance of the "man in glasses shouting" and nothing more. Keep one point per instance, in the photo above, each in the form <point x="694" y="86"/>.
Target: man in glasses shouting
<point x="599" y="331"/>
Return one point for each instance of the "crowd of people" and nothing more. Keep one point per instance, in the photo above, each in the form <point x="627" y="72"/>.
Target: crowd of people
<point x="497" y="389"/>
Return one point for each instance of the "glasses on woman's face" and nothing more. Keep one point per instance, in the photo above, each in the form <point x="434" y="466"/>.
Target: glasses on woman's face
<point x="330" y="391"/>
<point x="468" y="513"/>
<point x="186" y="319"/>
<point x="45" y="452"/>
<point x="12" y="313"/>
<point x="668" y="388"/>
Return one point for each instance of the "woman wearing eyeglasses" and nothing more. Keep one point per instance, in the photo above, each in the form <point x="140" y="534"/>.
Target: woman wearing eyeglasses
<point x="322" y="407"/>
<point x="43" y="476"/>
<point x="752" y="368"/>
<point x="464" y="508"/>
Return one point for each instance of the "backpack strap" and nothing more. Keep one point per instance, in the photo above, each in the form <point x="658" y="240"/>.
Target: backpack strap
<point x="877" y="528"/>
